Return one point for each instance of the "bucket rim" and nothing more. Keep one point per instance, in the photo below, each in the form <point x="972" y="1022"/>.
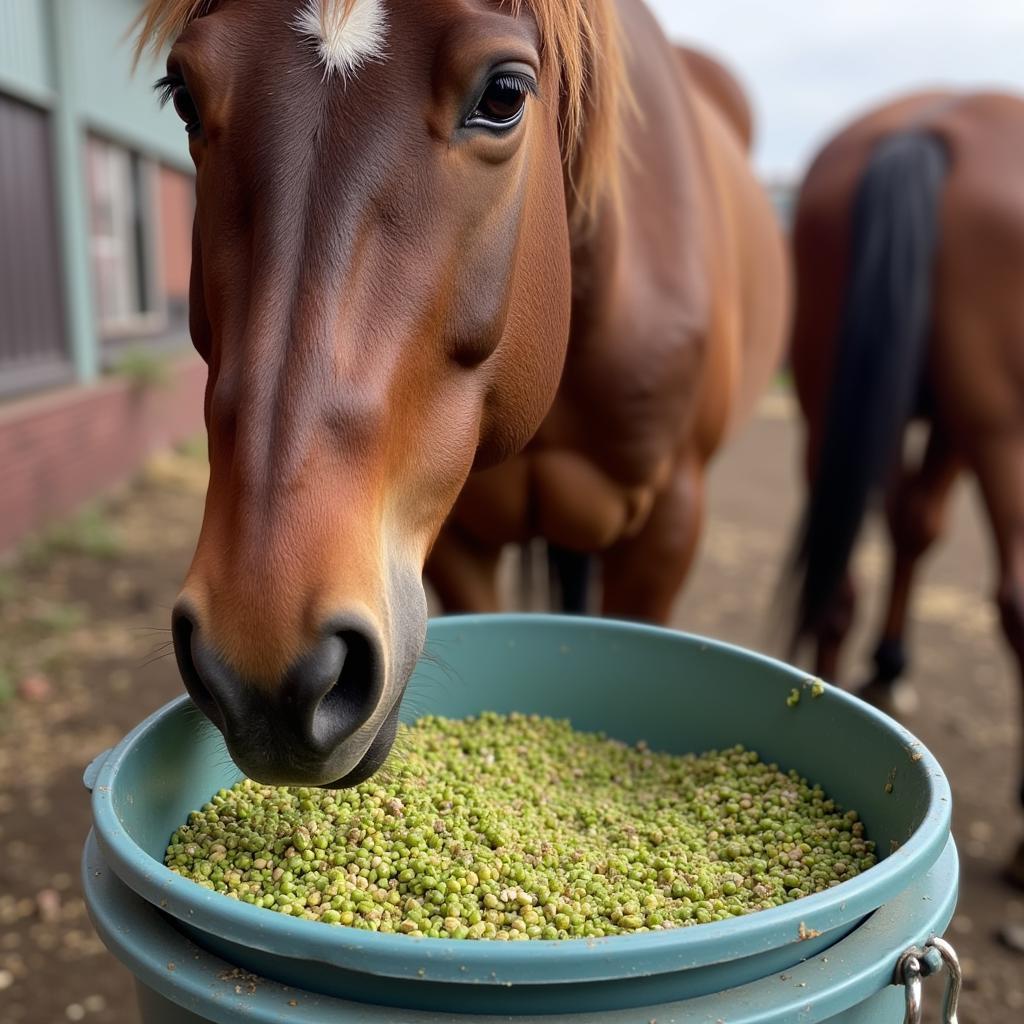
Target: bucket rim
<point x="539" y="962"/>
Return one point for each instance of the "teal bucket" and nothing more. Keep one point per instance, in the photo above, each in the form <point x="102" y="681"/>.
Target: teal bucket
<point x="199" y="956"/>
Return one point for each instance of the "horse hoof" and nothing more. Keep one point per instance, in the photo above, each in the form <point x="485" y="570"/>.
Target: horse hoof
<point x="1013" y="873"/>
<point x="897" y="701"/>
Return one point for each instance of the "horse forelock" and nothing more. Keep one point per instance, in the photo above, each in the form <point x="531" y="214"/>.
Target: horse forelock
<point x="582" y="36"/>
<point x="347" y="33"/>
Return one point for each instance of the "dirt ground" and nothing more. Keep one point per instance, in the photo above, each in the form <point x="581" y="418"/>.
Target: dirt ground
<point x="83" y="619"/>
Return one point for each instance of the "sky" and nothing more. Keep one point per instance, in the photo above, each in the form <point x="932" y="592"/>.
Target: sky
<point x="810" y="65"/>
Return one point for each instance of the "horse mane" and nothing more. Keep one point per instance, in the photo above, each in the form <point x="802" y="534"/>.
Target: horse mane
<point x="584" y="36"/>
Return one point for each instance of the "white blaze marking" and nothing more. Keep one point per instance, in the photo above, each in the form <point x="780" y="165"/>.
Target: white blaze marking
<point x="345" y="40"/>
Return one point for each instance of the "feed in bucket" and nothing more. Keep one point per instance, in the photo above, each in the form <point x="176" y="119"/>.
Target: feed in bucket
<point x="519" y="827"/>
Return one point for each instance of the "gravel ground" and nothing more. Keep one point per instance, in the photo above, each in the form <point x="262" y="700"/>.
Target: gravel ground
<point x="84" y="615"/>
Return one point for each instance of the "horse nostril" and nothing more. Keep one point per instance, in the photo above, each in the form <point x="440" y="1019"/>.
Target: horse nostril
<point x="183" y="630"/>
<point x="354" y="693"/>
<point x="304" y="715"/>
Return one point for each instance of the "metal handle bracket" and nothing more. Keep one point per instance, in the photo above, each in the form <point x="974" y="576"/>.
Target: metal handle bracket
<point x="917" y="963"/>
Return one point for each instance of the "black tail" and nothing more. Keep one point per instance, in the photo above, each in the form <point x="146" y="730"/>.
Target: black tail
<point x="570" y="573"/>
<point x="879" y="359"/>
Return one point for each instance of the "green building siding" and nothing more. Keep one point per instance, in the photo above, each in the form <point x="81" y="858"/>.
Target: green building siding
<point x="111" y="99"/>
<point x="25" y="68"/>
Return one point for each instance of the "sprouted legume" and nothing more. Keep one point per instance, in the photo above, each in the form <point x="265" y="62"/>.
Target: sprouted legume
<point x="519" y="827"/>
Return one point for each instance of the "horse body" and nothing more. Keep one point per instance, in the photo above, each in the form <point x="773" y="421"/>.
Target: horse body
<point x="968" y="381"/>
<point x="678" y="318"/>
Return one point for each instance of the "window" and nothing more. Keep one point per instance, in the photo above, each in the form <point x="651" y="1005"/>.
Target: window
<point x="123" y="240"/>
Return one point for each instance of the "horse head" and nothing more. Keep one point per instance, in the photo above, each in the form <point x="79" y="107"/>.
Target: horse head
<point x="381" y="291"/>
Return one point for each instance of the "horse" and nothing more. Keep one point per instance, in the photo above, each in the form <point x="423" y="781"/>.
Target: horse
<point x="468" y="584"/>
<point x="678" y="319"/>
<point x="909" y="261"/>
<point x="416" y="224"/>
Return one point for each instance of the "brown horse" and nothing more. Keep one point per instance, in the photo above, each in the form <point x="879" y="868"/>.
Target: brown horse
<point x="909" y="238"/>
<point x="678" y="314"/>
<point x="400" y="208"/>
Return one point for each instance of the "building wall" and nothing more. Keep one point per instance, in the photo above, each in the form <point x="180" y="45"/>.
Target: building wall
<point x="98" y="81"/>
<point x="67" y="87"/>
<point x="112" y="100"/>
<point x="25" y="65"/>
<point x="62" y="448"/>
<point x="67" y="80"/>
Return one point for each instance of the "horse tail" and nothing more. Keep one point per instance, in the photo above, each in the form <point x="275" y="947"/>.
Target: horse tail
<point x="879" y="361"/>
<point x="570" y="573"/>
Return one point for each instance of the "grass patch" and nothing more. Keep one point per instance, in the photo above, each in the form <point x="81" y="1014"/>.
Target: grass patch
<point x="142" y="369"/>
<point x="194" y="448"/>
<point x="59" y="618"/>
<point x="88" y="532"/>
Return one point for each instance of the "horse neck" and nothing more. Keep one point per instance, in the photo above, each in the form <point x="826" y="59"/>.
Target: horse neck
<point x="595" y="247"/>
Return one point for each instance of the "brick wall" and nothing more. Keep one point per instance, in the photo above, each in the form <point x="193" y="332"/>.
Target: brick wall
<point x="63" y="448"/>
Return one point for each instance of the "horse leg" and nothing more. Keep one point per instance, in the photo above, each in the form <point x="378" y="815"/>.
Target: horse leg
<point x="833" y="627"/>
<point x="642" y="575"/>
<point x="999" y="464"/>
<point x="463" y="572"/>
<point x="836" y="619"/>
<point x="916" y="512"/>
<point x="571" y="579"/>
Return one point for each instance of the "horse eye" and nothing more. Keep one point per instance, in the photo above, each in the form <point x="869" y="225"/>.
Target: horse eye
<point x="185" y="108"/>
<point x="502" y="104"/>
<point x="173" y="90"/>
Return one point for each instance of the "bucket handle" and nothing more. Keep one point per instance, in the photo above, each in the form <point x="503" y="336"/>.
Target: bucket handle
<point x="917" y="963"/>
<point x="92" y="772"/>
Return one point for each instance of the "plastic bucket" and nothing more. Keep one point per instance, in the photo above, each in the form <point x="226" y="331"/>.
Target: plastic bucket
<point x="635" y="682"/>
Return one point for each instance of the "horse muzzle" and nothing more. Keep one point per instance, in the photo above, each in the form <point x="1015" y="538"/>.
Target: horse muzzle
<point x="326" y="722"/>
